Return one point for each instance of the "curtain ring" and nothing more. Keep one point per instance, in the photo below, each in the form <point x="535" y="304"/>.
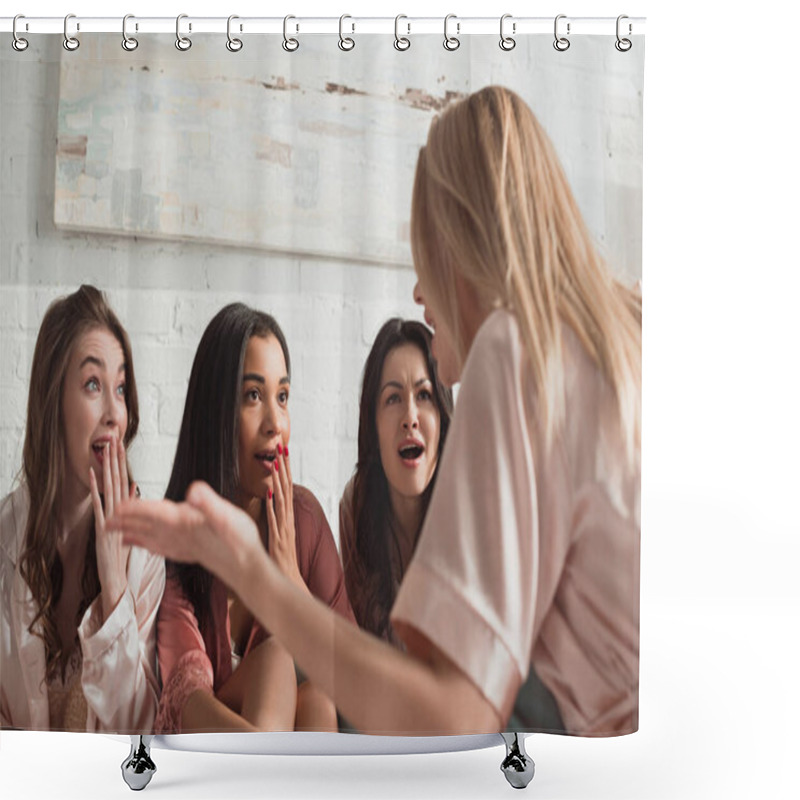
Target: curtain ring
<point x="623" y="45"/>
<point x="289" y="44"/>
<point x="561" y="43"/>
<point x="451" y="42"/>
<point x="233" y="44"/>
<point x="71" y="43"/>
<point x="129" y="43"/>
<point x="507" y="42"/>
<point x="401" y="43"/>
<point x="183" y="43"/>
<point x="346" y="43"/>
<point x="18" y="43"/>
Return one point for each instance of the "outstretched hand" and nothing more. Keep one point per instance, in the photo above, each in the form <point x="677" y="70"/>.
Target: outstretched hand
<point x="205" y="529"/>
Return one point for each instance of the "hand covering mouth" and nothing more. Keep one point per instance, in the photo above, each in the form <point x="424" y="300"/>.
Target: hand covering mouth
<point x="99" y="445"/>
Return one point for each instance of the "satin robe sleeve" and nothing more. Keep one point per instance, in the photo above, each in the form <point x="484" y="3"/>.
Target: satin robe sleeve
<point x="119" y="676"/>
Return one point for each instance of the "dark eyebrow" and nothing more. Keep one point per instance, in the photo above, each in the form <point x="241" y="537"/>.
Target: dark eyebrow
<point x="99" y="363"/>
<point x="254" y="376"/>
<point x="400" y="386"/>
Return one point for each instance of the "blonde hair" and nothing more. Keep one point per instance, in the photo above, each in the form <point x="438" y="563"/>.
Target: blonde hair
<point x="492" y="206"/>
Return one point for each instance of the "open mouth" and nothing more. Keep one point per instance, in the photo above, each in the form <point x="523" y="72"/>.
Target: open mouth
<point x="411" y="452"/>
<point x="99" y="449"/>
<point x="266" y="458"/>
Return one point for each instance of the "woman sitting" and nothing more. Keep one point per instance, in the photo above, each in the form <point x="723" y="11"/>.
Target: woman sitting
<point x="404" y="416"/>
<point x="221" y="670"/>
<point x="77" y="631"/>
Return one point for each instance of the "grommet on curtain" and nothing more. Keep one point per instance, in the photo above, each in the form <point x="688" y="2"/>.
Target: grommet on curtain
<point x="507" y="42"/>
<point x="451" y="42"/>
<point x="183" y="43"/>
<point x="289" y="44"/>
<point x="346" y="43"/>
<point x="561" y="43"/>
<point x="401" y="43"/>
<point x="17" y="42"/>
<point x="129" y="43"/>
<point x="623" y="45"/>
<point x="70" y="42"/>
<point x="233" y="44"/>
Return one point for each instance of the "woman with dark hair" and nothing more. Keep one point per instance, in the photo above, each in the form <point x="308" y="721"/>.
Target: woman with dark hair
<point x="404" y="416"/>
<point x="77" y="631"/>
<point x="220" y="669"/>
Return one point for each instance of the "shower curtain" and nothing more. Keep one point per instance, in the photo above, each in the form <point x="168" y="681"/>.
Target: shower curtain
<point x="178" y="182"/>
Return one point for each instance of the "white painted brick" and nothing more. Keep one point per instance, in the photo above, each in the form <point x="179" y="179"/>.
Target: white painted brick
<point x="11" y="309"/>
<point x="165" y="292"/>
<point x="143" y="311"/>
<point x="163" y="365"/>
<point x="151" y="460"/>
<point x="148" y="406"/>
<point x="170" y="410"/>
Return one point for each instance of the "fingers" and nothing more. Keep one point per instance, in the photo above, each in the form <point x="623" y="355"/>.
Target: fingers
<point x="216" y="510"/>
<point x="279" y="492"/>
<point x="97" y="503"/>
<point x="288" y="467"/>
<point x="273" y="532"/>
<point x="108" y="490"/>
<point x="115" y="473"/>
<point x="155" y="525"/>
<point x="285" y="477"/>
<point x="124" y="486"/>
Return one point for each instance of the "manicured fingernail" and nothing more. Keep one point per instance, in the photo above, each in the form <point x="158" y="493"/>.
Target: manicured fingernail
<point x="270" y="493"/>
<point x="277" y="466"/>
<point x="286" y="451"/>
<point x="279" y="449"/>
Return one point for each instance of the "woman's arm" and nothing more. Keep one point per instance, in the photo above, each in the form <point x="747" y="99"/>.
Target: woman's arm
<point x="378" y="688"/>
<point x="119" y="652"/>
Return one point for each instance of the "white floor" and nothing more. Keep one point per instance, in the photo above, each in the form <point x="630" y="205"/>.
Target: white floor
<point x="718" y="719"/>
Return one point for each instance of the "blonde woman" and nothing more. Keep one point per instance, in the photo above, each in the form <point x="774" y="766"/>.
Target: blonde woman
<point x="528" y="560"/>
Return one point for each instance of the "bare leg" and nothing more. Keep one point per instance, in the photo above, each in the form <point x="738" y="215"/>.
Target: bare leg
<point x="315" y="710"/>
<point x="204" y="713"/>
<point x="264" y="688"/>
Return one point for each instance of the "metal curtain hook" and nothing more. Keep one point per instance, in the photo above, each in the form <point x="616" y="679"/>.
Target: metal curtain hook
<point x="18" y="43"/>
<point x="129" y="43"/>
<point x="451" y="42"/>
<point x="507" y="42"/>
<point x="346" y="42"/>
<point x="401" y="42"/>
<point x="561" y="43"/>
<point x="623" y="45"/>
<point x="183" y="43"/>
<point x="70" y="42"/>
<point x="233" y="44"/>
<point x="289" y="44"/>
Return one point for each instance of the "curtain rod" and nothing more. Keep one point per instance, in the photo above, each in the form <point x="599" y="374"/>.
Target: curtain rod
<point x="300" y="25"/>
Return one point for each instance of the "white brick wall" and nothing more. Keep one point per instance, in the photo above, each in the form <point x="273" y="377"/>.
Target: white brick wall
<point x="166" y="292"/>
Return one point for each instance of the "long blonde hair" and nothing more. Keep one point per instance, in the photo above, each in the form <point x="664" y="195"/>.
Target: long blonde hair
<point x="491" y="204"/>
